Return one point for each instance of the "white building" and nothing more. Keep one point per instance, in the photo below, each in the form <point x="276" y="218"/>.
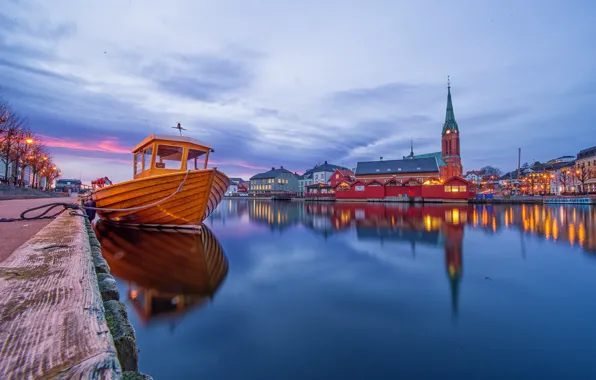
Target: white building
<point x="318" y="174"/>
<point x="474" y="176"/>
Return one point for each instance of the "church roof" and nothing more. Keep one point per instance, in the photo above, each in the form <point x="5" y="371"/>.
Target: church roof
<point x="437" y="155"/>
<point x="409" y="165"/>
<point x="449" y="115"/>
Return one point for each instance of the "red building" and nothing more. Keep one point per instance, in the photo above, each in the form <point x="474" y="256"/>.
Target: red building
<point x="454" y="189"/>
<point x="341" y="175"/>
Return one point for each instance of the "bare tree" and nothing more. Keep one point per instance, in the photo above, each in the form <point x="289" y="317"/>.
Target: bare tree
<point x="38" y="158"/>
<point x="11" y="128"/>
<point x="582" y="174"/>
<point x="49" y="172"/>
<point x="564" y="178"/>
<point x="22" y="152"/>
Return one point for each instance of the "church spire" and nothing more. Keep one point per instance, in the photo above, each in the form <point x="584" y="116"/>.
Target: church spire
<point x="449" y="115"/>
<point x="411" y="148"/>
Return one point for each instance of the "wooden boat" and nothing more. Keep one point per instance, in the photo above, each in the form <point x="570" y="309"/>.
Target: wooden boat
<point x="168" y="272"/>
<point x="161" y="165"/>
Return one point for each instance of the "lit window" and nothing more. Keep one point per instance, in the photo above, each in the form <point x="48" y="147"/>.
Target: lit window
<point x="462" y="188"/>
<point x="447" y="189"/>
<point x="337" y="176"/>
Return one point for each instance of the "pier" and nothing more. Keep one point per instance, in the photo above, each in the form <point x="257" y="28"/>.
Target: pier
<point x="60" y="315"/>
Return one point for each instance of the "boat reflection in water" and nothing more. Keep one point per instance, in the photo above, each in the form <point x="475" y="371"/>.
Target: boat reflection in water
<point x="168" y="272"/>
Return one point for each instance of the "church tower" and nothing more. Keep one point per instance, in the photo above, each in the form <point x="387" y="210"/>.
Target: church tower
<point x="450" y="142"/>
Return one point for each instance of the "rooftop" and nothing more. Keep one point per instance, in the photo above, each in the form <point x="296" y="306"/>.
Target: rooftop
<point x="409" y="165"/>
<point x="273" y="173"/>
<point x="437" y="155"/>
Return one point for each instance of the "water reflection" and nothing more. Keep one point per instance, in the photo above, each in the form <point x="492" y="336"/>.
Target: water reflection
<point x="167" y="272"/>
<point x="434" y="225"/>
<point x="575" y="225"/>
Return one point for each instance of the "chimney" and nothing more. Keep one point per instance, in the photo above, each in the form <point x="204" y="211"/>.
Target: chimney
<point x="282" y="166"/>
<point x="272" y="168"/>
<point x="325" y="162"/>
<point x="381" y="158"/>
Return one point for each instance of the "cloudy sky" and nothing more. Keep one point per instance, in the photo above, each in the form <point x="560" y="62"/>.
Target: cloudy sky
<point x="272" y="83"/>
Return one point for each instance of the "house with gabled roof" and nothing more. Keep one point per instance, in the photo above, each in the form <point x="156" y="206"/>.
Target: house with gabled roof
<point x="274" y="181"/>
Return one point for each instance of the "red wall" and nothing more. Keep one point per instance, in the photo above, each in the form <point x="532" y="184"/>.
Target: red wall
<point x="425" y="191"/>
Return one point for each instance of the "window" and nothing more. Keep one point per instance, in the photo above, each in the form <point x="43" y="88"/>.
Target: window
<point x="337" y="176"/>
<point x="359" y="188"/>
<point x="138" y="162"/>
<point x="195" y="159"/>
<point x="462" y="188"/>
<point x="447" y="189"/>
<point x="454" y="189"/>
<point x="147" y="158"/>
<point x="169" y="157"/>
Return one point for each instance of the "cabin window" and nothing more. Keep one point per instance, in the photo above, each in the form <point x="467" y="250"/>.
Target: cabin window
<point x="138" y="162"/>
<point x="462" y="188"/>
<point x="169" y="157"/>
<point x="447" y="189"/>
<point x="147" y="158"/>
<point x="195" y="159"/>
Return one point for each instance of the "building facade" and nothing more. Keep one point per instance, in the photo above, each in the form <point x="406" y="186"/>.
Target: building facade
<point x="235" y="186"/>
<point x="341" y="175"/>
<point x="450" y="143"/>
<point x="474" y="175"/>
<point x="585" y="168"/>
<point x="274" y="181"/>
<point x="317" y="175"/>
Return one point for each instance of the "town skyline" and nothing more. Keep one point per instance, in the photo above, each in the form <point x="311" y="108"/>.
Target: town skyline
<point x="337" y="84"/>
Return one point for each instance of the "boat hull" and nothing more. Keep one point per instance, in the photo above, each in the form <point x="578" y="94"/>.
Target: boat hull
<point x="149" y="201"/>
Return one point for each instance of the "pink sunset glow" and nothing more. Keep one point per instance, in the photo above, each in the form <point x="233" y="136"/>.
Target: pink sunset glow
<point x="109" y="144"/>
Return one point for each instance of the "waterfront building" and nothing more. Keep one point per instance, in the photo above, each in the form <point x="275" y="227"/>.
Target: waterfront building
<point x="274" y="181"/>
<point x="429" y="166"/>
<point x="561" y="159"/>
<point x="474" y="175"/>
<point x="340" y="175"/>
<point x="234" y="187"/>
<point x="420" y="169"/>
<point x="585" y="166"/>
<point x="63" y="185"/>
<point x="320" y="174"/>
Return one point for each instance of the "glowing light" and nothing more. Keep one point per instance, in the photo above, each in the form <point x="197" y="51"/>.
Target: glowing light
<point x="581" y="234"/>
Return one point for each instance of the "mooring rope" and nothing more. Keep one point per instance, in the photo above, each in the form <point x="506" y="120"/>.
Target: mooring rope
<point x="74" y="206"/>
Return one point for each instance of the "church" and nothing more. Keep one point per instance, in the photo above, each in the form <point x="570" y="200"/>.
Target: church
<point x="424" y="167"/>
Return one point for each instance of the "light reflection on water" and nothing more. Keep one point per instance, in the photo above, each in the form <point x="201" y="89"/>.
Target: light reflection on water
<point x="319" y="290"/>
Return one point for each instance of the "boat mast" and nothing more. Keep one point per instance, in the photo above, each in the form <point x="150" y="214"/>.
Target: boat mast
<point x="179" y="128"/>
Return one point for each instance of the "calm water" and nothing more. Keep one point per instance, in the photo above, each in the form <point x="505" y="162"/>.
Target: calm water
<point x="351" y="291"/>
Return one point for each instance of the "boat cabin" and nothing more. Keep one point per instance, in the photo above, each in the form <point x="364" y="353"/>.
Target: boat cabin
<point x="162" y="154"/>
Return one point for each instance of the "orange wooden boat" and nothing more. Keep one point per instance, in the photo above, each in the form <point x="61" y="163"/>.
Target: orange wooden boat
<point x="171" y="187"/>
<point x="168" y="272"/>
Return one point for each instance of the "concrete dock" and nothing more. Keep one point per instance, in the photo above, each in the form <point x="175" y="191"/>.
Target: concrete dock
<point x="14" y="234"/>
<point x="60" y="314"/>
